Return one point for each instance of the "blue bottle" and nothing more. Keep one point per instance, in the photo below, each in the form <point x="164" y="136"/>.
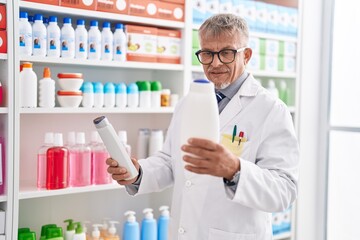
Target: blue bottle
<point x="131" y="227"/>
<point x="148" y="225"/>
<point x="163" y="224"/>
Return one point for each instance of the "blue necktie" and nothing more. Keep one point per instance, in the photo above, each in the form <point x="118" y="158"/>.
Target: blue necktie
<point x="219" y="96"/>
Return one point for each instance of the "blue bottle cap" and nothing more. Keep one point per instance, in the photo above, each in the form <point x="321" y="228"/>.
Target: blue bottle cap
<point x="31" y="18"/>
<point x="80" y="22"/>
<point x="52" y="19"/>
<point x="23" y="15"/>
<point x="67" y="20"/>
<point x="201" y="81"/>
<point x="132" y="88"/>
<point x="119" y="26"/>
<point x="87" y="87"/>
<point x="38" y="17"/>
<point x="94" y="23"/>
<point x="109" y="87"/>
<point x="106" y="25"/>
<point x="98" y="87"/>
<point x="120" y="88"/>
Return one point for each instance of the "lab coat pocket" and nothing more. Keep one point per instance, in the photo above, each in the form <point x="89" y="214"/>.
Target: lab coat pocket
<point x="235" y="146"/>
<point x="217" y="234"/>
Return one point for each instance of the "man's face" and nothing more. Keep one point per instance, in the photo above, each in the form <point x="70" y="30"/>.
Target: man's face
<point x="222" y="75"/>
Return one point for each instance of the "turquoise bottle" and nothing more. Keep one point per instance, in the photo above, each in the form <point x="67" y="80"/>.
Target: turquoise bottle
<point x="131" y="227"/>
<point x="163" y="223"/>
<point x="148" y="226"/>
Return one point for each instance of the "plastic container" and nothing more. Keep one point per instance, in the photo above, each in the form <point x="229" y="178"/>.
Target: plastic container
<point x="81" y="40"/>
<point x="41" y="160"/>
<point x="98" y="95"/>
<point x="163" y="223"/>
<point x="70" y="99"/>
<point x="55" y="233"/>
<point x="70" y="81"/>
<point x="107" y="42"/>
<point x="114" y="146"/>
<point x="131" y="229"/>
<point x="109" y="95"/>
<point x="67" y="39"/>
<point x="132" y="95"/>
<point x="120" y="95"/>
<point x="99" y="154"/>
<point x="156" y="94"/>
<point x="25" y="35"/>
<point x="95" y="234"/>
<point x="94" y="48"/>
<point x="79" y="232"/>
<point x="165" y="97"/>
<point x="199" y="116"/>
<point x="39" y="36"/>
<point x="144" y="94"/>
<point x="88" y="95"/>
<point x="123" y="139"/>
<point x="156" y="141"/>
<point x="148" y="226"/>
<point x="53" y="38"/>
<point x="70" y="229"/>
<point x="112" y="231"/>
<point x="143" y="143"/>
<point x="47" y="90"/>
<point x="57" y="165"/>
<point x="44" y="230"/>
<point x="272" y="88"/>
<point x="120" y="43"/>
<point x="28" y="86"/>
<point x="174" y="99"/>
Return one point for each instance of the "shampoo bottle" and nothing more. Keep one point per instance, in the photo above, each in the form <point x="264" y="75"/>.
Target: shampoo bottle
<point x="148" y="226"/>
<point x="95" y="234"/>
<point x="55" y="233"/>
<point x="104" y="228"/>
<point x="44" y="230"/>
<point x="272" y="88"/>
<point x="131" y="229"/>
<point x="112" y="231"/>
<point x="70" y="229"/>
<point x="79" y="232"/>
<point x="163" y="223"/>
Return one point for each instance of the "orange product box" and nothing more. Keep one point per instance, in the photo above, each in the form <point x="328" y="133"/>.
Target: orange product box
<point x="51" y="2"/>
<point x="113" y="6"/>
<point x="2" y="16"/>
<point x="171" y="11"/>
<point x="3" y="41"/>
<point x="169" y="46"/>
<point x="174" y="1"/>
<point x="83" y="4"/>
<point x="142" y="43"/>
<point x="143" y="8"/>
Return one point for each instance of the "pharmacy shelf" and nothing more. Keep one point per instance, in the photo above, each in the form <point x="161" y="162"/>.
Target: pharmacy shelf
<point x="81" y="110"/>
<point x="281" y="236"/>
<point x="4" y="110"/>
<point x="3" y="198"/>
<point x="3" y="56"/>
<point x="100" y="63"/>
<point x="3" y="1"/>
<point x="49" y="9"/>
<point x="32" y="192"/>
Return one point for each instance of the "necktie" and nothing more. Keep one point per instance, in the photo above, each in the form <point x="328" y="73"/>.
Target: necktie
<point x="219" y="96"/>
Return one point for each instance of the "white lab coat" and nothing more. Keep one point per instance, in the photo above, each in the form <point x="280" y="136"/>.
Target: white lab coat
<point x="203" y="208"/>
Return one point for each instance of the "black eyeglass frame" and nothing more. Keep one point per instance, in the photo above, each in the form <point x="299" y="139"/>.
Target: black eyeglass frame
<point x="218" y="54"/>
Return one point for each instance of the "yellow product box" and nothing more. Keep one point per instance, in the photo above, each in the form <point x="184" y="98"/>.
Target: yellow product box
<point x="168" y="46"/>
<point x="142" y="43"/>
<point x="82" y="4"/>
<point x="51" y="2"/>
<point x="113" y="6"/>
<point x="170" y="11"/>
<point x="143" y="8"/>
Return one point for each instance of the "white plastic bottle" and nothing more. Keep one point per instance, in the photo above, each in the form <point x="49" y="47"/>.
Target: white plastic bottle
<point x="25" y="35"/>
<point x="120" y="95"/>
<point x="39" y="36"/>
<point x="67" y="39"/>
<point x="47" y="90"/>
<point x="28" y="86"/>
<point x="272" y="88"/>
<point x="53" y="38"/>
<point x="123" y="138"/>
<point x="81" y="40"/>
<point x="199" y="113"/>
<point x="143" y="143"/>
<point x="98" y="95"/>
<point x="87" y="89"/>
<point x="94" y="43"/>
<point x="109" y="95"/>
<point x="132" y="91"/>
<point x="156" y="141"/>
<point x="114" y="146"/>
<point x="156" y="94"/>
<point x="70" y="229"/>
<point x="144" y="94"/>
<point x="120" y="43"/>
<point x="107" y="42"/>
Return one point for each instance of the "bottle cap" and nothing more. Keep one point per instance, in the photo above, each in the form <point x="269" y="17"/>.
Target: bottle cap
<point x="94" y="136"/>
<point x="79" y="229"/>
<point x="31" y="19"/>
<point x="106" y="25"/>
<point x="80" y="22"/>
<point x="52" y="19"/>
<point x="119" y="26"/>
<point x="70" y="225"/>
<point x="132" y="88"/>
<point x="27" y="65"/>
<point x="58" y="139"/>
<point x="27" y="236"/>
<point x="148" y="213"/>
<point x="80" y="138"/>
<point x="67" y="20"/>
<point x="156" y="86"/>
<point x="144" y="85"/>
<point x="45" y="20"/>
<point x="164" y="211"/>
<point x="38" y="17"/>
<point x="94" y="23"/>
<point x="122" y="136"/>
<point x="130" y="215"/>
<point x="98" y="87"/>
<point x="49" y="138"/>
<point x="87" y="87"/>
<point x="23" y="230"/>
<point x="120" y="88"/>
<point x="47" y="73"/>
<point x="45" y="227"/>
<point x="23" y="15"/>
<point x="55" y="232"/>
<point x="109" y="87"/>
<point x="166" y="91"/>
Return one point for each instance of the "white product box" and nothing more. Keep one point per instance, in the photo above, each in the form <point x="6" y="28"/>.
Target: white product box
<point x="254" y="44"/>
<point x="284" y="20"/>
<point x="212" y="7"/>
<point x="225" y="6"/>
<point x="289" y="64"/>
<point x="271" y="63"/>
<point x="272" y="47"/>
<point x="169" y="46"/>
<point x="255" y="62"/>
<point x="250" y="14"/>
<point x="199" y="11"/>
<point x="2" y="221"/>
<point x="289" y="49"/>
<point x="272" y="18"/>
<point x="293" y="21"/>
<point x="261" y="16"/>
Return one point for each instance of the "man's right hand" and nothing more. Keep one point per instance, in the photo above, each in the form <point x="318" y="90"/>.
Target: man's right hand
<point x="120" y="173"/>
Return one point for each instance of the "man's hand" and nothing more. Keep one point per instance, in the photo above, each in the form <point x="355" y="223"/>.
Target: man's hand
<point x="211" y="158"/>
<point x="120" y="173"/>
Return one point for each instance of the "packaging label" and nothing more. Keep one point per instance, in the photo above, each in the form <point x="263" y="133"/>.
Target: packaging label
<point x="170" y="11"/>
<point x="83" y="4"/>
<point x="51" y="2"/>
<point x="113" y="6"/>
<point x="142" y="42"/>
<point x="143" y="8"/>
<point x="3" y="41"/>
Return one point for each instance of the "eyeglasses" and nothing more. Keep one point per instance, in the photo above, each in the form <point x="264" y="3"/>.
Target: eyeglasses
<point x="225" y="56"/>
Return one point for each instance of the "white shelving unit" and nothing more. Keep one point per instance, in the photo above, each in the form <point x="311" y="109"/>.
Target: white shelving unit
<point x="3" y="56"/>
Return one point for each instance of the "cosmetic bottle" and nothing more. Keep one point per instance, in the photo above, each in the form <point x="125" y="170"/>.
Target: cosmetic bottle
<point x="148" y="226"/>
<point x="163" y="223"/>
<point x="131" y="230"/>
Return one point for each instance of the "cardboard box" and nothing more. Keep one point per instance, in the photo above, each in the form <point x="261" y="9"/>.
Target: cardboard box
<point x="3" y="41"/>
<point x="171" y="11"/>
<point x="169" y="46"/>
<point x="2" y="16"/>
<point x="143" y="8"/>
<point x="113" y="6"/>
<point x="50" y="2"/>
<point x="199" y="11"/>
<point x="272" y="47"/>
<point x="174" y="1"/>
<point x="142" y="43"/>
<point x="82" y="4"/>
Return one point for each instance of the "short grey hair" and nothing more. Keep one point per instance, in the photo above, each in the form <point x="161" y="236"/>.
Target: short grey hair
<point x="226" y="23"/>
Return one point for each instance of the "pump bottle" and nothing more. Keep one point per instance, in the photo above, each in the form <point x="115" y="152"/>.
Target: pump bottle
<point x="148" y="226"/>
<point x="163" y="223"/>
<point x="95" y="234"/>
<point x="70" y="229"/>
<point x="131" y="230"/>
<point x="112" y="231"/>
<point x="79" y="232"/>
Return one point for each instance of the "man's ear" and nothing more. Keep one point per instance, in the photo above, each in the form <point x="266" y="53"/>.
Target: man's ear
<point x="248" y="54"/>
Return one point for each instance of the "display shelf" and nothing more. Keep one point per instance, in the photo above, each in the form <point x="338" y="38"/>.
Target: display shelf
<point x="32" y="192"/>
<point x="4" y="110"/>
<point x="3" y="1"/>
<point x="100" y="63"/>
<point x="3" y="198"/>
<point x="282" y="236"/>
<point x="39" y="7"/>
<point x="81" y="110"/>
<point x="3" y="56"/>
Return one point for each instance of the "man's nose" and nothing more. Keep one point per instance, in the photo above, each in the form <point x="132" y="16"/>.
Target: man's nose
<point x="216" y="60"/>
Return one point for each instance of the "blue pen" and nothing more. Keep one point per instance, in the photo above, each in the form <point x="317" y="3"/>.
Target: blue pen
<point x="234" y="134"/>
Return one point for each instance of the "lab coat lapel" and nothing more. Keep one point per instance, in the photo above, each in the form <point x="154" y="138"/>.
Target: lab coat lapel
<point x="249" y="88"/>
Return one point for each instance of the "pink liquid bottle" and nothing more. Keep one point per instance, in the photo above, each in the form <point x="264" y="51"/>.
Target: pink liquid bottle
<point x="57" y="165"/>
<point x="42" y="159"/>
<point x="71" y="146"/>
<point x="99" y="154"/>
<point x="80" y="167"/>
<point x="2" y="166"/>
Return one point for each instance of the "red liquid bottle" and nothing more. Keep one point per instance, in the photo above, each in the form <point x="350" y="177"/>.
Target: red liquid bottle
<point x="57" y="167"/>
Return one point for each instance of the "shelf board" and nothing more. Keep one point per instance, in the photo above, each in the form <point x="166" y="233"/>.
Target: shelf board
<point x="31" y="192"/>
<point x="100" y="63"/>
<point x="3" y="198"/>
<point x="284" y="235"/>
<point x="81" y="110"/>
<point x="4" y="110"/>
<point x="39" y="7"/>
<point x="3" y="1"/>
<point x="3" y="56"/>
